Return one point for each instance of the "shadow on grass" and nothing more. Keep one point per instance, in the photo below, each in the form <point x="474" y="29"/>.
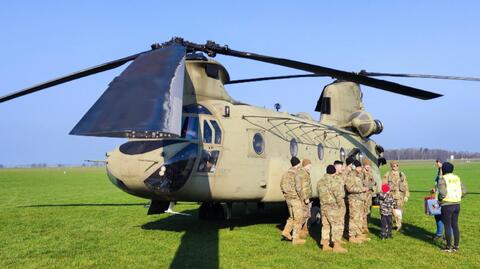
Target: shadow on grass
<point x="199" y="247"/>
<point x="67" y="205"/>
<point x="408" y="229"/>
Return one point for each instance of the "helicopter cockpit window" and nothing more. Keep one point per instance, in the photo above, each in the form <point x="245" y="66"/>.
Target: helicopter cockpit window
<point x="212" y="70"/>
<point x="320" y="151"/>
<point x="342" y="154"/>
<point x="190" y="128"/>
<point x="207" y="132"/>
<point x="258" y="144"/>
<point x="293" y="147"/>
<point x="208" y="162"/>
<point x="218" y="132"/>
<point x="196" y="109"/>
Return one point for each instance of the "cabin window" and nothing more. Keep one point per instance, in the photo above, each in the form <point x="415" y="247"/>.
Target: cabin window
<point x="190" y="128"/>
<point x="208" y="162"/>
<point x="196" y="109"/>
<point x="258" y="143"/>
<point x="293" y="147"/>
<point x="218" y="132"/>
<point x="342" y="154"/>
<point x="212" y="70"/>
<point x="207" y="132"/>
<point x="320" y="151"/>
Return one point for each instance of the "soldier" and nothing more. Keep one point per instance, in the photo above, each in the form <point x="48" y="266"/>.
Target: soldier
<point x="295" y="208"/>
<point x="370" y="183"/>
<point x="356" y="200"/>
<point x="302" y="180"/>
<point x="339" y="176"/>
<point x="346" y="171"/>
<point x="399" y="188"/>
<point x="331" y="193"/>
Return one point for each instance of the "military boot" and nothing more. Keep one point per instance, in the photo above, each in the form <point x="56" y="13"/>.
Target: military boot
<point x="286" y="234"/>
<point x="337" y="248"/>
<point x="363" y="238"/>
<point x="355" y="240"/>
<point x="304" y="232"/>
<point x="326" y="245"/>
<point x="298" y="241"/>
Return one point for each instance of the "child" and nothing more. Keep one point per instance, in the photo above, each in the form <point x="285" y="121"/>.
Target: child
<point x="387" y="205"/>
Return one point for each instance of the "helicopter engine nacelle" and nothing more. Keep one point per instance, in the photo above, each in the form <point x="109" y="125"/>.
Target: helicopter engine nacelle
<point x="364" y="124"/>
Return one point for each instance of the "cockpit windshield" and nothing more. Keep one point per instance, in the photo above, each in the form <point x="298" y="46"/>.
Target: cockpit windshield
<point x="190" y="128"/>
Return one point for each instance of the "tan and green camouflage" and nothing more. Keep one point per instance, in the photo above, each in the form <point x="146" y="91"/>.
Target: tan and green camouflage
<point x="331" y="192"/>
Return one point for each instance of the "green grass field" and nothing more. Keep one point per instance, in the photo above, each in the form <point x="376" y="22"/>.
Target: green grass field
<point x="78" y="219"/>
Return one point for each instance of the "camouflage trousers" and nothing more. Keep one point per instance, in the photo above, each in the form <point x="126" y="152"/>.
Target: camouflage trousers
<point x="306" y="213"/>
<point x="356" y="215"/>
<point x="296" y="217"/>
<point x="400" y="205"/>
<point x="367" y="207"/>
<point x="332" y="222"/>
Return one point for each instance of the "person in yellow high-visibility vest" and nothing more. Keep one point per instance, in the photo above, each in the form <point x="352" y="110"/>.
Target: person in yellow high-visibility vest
<point x="451" y="190"/>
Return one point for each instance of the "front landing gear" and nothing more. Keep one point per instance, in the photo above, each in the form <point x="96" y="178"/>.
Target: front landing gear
<point x="211" y="211"/>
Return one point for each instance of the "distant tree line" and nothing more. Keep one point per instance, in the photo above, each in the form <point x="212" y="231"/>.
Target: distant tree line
<point x="428" y="154"/>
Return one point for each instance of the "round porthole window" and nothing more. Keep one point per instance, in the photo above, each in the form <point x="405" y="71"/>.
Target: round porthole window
<point x="258" y="143"/>
<point x="293" y="147"/>
<point x="320" y="151"/>
<point x="342" y="154"/>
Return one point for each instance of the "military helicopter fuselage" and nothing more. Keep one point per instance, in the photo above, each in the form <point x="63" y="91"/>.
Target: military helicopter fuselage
<point x="230" y="151"/>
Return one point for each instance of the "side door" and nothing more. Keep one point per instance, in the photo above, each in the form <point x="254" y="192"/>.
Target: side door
<point x="210" y="147"/>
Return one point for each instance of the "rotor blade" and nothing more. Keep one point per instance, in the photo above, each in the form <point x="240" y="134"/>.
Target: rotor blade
<point x="363" y="72"/>
<point x="272" y="78"/>
<point x="210" y="47"/>
<point x="378" y="74"/>
<point x="80" y="74"/>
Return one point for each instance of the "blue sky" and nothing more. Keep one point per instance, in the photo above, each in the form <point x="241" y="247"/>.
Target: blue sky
<point x="41" y="40"/>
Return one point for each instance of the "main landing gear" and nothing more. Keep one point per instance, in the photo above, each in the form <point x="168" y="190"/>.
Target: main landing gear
<point x="211" y="211"/>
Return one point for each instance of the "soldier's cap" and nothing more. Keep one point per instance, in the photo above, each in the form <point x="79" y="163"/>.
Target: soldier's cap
<point x="393" y="163"/>
<point x="294" y="161"/>
<point x="331" y="169"/>
<point x="447" y="168"/>
<point x="349" y="160"/>
<point x="357" y="163"/>
<point x="337" y="162"/>
<point x="366" y="162"/>
<point x="306" y="162"/>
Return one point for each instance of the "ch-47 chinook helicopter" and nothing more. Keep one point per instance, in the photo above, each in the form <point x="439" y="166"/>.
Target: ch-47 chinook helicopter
<point x="189" y="140"/>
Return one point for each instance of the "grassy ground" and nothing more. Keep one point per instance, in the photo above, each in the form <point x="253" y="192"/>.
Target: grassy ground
<point x="78" y="219"/>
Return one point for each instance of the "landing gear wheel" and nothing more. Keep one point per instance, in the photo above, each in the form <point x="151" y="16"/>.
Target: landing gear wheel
<point x="211" y="211"/>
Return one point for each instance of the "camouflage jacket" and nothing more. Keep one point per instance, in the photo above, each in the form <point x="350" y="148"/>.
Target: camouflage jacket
<point x="369" y="182"/>
<point x="398" y="184"/>
<point x="331" y="190"/>
<point x="303" y="184"/>
<point x="287" y="185"/>
<point x="387" y="203"/>
<point x="354" y="185"/>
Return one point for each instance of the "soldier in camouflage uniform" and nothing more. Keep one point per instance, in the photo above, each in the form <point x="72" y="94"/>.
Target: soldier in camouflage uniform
<point x="369" y="183"/>
<point x="340" y="177"/>
<point x="331" y="193"/>
<point x="295" y="207"/>
<point x="303" y="180"/>
<point x="356" y="200"/>
<point x="399" y="188"/>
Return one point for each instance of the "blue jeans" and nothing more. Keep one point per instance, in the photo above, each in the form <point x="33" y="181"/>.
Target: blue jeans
<point x="438" y="220"/>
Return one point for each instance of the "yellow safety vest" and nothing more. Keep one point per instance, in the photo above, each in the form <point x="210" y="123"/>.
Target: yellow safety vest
<point x="454" y="188"/>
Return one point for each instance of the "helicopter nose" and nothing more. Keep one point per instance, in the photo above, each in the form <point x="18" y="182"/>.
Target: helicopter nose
<point x="144" y="166"/>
